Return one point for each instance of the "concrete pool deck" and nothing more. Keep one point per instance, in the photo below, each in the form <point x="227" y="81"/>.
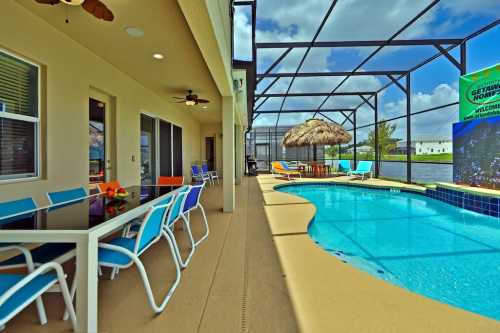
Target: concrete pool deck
<point x="330" y="296"/>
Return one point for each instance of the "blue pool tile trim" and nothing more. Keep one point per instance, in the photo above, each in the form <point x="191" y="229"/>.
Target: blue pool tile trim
<point x="477" y="203"/>
<point x="474" y="202"/>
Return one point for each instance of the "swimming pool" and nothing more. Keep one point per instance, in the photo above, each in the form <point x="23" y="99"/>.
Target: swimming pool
<point x="427" y="246"/>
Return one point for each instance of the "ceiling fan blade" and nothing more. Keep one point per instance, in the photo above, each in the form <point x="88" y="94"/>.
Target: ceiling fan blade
<point x="180" y="102"/>
<point x="203" y="100"/>
<point x="48" y="2"/>
<point x="98" y="9"/>
<point x="178" y="97"/>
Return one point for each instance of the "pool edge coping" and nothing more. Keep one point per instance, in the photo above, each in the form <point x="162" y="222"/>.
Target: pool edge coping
<point x="308" y="322"/>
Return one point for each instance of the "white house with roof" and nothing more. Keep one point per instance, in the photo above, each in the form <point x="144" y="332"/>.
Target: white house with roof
<point x="427" y="146"/>
<point x="433" y="146"/>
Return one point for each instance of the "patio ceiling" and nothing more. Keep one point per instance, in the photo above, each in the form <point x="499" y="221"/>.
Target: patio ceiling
<point x="326" y="58"/>
<point x="165" y="31"/>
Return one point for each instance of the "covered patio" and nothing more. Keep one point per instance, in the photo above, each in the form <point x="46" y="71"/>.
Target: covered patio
<point x="144" y="161"/>
<point x="233" y="284"/>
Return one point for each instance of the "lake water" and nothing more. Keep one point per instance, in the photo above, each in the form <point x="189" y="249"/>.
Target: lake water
<point x="420" y="172"/>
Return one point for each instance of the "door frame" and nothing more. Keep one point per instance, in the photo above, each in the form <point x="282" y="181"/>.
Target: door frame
<point x="110" y="163"/>
<point x="214" y="150"/>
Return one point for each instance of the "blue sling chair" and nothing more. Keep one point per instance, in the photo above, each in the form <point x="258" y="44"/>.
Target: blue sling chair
<point x="13" y="211"/>
<point x="17" y="291"/>
<point x="344" y="166"/>
<point x="211" y="174"/>
<point x="175" y="214"/>
<point x="123" y="252"/>
<point x="66" y="196"/>
<point x="192" y="202"/>
<point x="198" y="175"/>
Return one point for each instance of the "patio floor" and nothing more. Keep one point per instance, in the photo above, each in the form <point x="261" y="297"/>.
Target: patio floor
<point x="233" y="283"/>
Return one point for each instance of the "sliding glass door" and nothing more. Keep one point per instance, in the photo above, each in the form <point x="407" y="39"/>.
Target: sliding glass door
<point x="176" y="151"/>
<point x="148" y="150"/>
<point x="161" y="149"/>
<point x="165" y="148"/>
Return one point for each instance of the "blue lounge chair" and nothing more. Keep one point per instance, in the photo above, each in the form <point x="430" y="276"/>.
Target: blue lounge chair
<point x="345" y="166"/>
<point x="123" y="252"/>
<point x="66" y="196"/>
<point x="363" y="168"/>
<point x="191" y="203"/>
<point x="198" y="175"/>
<point x="17" y="291"/>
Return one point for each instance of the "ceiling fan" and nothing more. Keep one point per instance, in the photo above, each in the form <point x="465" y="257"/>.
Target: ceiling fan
<point x="94" y="7"/>
<point x="191" y="99"/>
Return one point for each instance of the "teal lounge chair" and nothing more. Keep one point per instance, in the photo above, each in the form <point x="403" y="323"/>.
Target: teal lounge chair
<point x="345" y="166"/>
<point x="364" y="168"/>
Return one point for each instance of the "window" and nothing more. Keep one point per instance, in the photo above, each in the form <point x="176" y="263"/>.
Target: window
<point x="19" y="118"/>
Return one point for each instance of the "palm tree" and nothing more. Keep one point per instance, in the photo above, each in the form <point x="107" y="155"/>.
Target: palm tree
<point x="386" y="142"/>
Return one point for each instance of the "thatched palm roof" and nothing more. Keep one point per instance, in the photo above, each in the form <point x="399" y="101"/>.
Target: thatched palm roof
<point x="316" y="132"/>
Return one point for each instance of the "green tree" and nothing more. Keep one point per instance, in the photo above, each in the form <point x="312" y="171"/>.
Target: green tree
<point x="332" y="151"/>
<point x="386" y="142"/>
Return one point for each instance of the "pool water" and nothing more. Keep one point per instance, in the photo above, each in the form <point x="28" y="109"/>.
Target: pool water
<point x="427" y="246"/>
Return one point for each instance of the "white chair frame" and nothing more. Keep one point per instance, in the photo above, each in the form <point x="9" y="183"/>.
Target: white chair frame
<point x="33" y="273"/>
<point x="142" y="271"/>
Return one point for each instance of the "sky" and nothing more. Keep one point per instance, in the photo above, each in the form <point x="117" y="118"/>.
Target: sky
<point x="432" y="85"/>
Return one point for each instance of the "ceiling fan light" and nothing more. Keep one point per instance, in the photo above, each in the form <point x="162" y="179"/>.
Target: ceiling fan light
<point x="190" y="103"/>
<point x="73" y="2"/>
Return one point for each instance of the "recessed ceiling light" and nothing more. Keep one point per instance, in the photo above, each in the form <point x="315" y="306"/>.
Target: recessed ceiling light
<point x="204" y="106"/>
<point x="134" y="31"/>
<point x="158" y="56"/>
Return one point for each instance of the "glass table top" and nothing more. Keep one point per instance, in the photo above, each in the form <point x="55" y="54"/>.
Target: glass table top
<point x="86" y="213"/>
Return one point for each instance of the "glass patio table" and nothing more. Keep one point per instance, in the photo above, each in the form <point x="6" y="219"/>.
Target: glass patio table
<point x="83" y="223"/>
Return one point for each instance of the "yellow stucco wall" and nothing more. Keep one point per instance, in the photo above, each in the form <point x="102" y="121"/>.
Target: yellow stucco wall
<point x="212" y="130"/>
<point x="70" y="71"/>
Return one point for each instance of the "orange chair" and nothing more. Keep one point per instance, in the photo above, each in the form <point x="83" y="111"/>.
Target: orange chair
<point x="171" y="181"/>
<point x="103" y="187"/>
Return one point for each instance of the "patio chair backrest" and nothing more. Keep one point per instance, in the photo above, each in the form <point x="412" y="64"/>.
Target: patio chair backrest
<point x="152" y="225"/>
<point x="103" y="187"/>
<point x="344" y="165"/>
<point x="193" y="197"/>
<point x="173" y="181"/>
<point x="204" y="168"/>
<point x="175" y="211"/>
<point x="364" y="166"/>
<point x="284" y="165"/>
<point x="15" y="207"/>
<point x="195" y="170"/>
<point x="66" y="195"/>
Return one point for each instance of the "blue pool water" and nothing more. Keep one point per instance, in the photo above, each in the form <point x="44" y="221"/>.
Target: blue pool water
<point x="429" y="247"/>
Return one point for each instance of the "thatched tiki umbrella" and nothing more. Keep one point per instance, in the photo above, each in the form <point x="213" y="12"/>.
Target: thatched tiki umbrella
<point x="316" y="132"/>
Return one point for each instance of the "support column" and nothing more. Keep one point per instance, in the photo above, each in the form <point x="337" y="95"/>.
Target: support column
<point x="228" y="153"/>
<point x="377" y="157"/>
<point x="239" y="154"/>
<point x="408" y="128"/>
<point x="355" y="141"/>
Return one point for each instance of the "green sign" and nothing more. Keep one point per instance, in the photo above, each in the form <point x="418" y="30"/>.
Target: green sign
<point x="480" y="94"/>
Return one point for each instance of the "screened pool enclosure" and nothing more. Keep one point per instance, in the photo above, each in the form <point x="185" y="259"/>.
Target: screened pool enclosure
<point x="388" y="75"/>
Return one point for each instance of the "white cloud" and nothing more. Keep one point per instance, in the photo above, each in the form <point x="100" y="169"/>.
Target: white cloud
<point x="435" y="124"/>
<point x="242" y="36"/>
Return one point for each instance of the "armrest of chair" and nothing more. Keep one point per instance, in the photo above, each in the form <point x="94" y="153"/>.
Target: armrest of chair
<point x="28" y="278"/>
<point x="24" y="251"/>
